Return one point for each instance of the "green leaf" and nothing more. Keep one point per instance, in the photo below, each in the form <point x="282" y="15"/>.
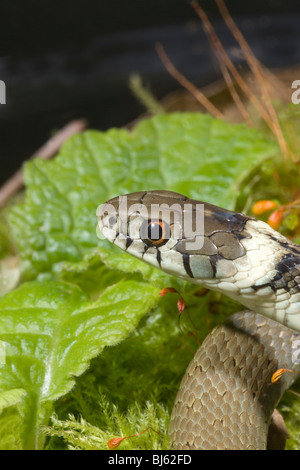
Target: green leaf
<point x="10" y="397"/>
<point x="10" y="428"/>
<point x="190" y="153"/>
<point x="5" y="243"/>
<point x="90" y="274"/>
<point x="10" y="418"/>
<point x="51" y="331"/>
<point x="9" y="274"/>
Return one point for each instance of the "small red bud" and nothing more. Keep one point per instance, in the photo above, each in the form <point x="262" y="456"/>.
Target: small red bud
<point x="114" y="442"/>
<point x="275" y="219"/>
<point x="181" y="305"/>
<point x="260" y="207"/>
<point x="168" y="290"/>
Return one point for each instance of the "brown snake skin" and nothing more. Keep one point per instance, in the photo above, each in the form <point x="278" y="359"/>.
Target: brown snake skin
<point x="226" y="397"/>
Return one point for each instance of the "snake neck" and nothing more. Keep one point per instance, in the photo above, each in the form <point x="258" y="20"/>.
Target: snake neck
<point x="266" y="278"/>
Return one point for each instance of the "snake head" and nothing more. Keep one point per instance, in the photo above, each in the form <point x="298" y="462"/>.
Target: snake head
<point x="151" y="226"/>
<point x="181" y="236"/>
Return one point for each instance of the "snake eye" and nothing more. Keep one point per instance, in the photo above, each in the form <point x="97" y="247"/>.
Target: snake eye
<point x="154" y="232"/>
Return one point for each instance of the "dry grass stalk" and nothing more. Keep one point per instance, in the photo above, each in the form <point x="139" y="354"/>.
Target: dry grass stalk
<point x="230" y="73"/>
<point x="200" y="97"/>
<point x="257" y="72"/>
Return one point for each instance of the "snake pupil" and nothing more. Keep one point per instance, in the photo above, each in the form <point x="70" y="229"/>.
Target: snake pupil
<point x="154" y="233"/>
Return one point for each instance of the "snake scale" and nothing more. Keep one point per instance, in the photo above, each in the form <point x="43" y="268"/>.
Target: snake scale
<point x="226" y="397"/>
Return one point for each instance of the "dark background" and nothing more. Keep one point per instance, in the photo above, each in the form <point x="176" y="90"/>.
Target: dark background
<point x="63" y="60"/>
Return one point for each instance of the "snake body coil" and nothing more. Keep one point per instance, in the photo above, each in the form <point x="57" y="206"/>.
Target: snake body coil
<point x="226" y="398"/>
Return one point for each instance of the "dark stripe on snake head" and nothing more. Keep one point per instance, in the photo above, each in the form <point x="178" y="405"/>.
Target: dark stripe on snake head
<point x="186" y="264"/>
<point x="128" y="242"/>
<point x="116" y="237"/>
<point x="213" y="261"/>
<point x="158" y="256"/>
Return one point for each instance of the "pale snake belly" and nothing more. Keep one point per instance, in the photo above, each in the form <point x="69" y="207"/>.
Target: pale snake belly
<point x="226" y="397"/>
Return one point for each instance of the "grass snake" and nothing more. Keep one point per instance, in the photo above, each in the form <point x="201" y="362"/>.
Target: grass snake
<point x="226" y="397"/>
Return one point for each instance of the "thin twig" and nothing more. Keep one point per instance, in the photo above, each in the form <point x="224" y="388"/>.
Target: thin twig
<point x="183" y="336"/>
<point x="257" y="72"/>
<point x="235" y="96"/>
<point x="48" y="150"/>
<point x="186" y="83"/>
<point x="294" y="393"/>
<point x="223" y="56"/>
